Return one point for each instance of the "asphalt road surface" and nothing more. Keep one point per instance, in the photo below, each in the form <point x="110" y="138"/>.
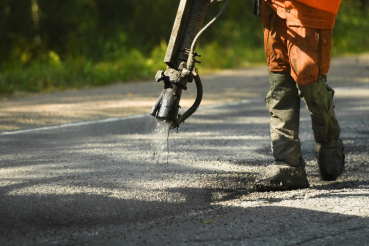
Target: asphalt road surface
<point x="113" y="182"/>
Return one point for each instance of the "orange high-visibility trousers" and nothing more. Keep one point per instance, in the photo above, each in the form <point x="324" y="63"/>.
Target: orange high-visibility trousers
<point x="302" y="52"/>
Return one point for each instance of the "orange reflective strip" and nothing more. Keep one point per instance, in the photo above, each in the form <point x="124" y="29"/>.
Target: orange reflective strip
<point x="330" y="6"/>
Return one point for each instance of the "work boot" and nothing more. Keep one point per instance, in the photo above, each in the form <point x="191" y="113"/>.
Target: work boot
<point x="282" y="177"/>
<point x="331" y="159"/>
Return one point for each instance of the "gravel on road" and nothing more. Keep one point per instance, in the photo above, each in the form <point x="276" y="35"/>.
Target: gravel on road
<point x="115" y="183"/>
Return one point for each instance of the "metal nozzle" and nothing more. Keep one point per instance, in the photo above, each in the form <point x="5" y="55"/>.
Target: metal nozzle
<point x="167" y="106"/>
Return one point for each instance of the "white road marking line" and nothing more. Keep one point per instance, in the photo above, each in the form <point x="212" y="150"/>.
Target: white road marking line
<point x="83" y="123"/>
<point x="92" y="122"/>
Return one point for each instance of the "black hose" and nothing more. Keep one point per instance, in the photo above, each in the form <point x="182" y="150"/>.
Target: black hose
<point x="197" y="102"/>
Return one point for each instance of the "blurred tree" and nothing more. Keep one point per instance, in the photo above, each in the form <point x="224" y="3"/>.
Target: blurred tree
<point x="16" y="28"/>
<point x="63" y="43"/>
<point x="365" y="4"/>
<point x="98" y="29"/>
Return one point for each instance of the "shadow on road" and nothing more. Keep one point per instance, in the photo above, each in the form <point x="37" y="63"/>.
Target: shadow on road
<point x="138" y="221"/>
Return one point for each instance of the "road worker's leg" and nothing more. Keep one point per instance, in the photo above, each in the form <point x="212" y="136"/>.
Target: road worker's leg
<point x="309" y="54"/>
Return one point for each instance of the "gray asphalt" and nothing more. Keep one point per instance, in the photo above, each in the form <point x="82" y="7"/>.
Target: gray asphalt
<point x="114" y="183"/>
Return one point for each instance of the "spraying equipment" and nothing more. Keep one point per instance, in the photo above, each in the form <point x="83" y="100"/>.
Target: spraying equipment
<point x="180" y="58"/>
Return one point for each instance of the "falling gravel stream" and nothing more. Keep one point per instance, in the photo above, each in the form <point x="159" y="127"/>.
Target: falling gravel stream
<point x="161" y="142"/>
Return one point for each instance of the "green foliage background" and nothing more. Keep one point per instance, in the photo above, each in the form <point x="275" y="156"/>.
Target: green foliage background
<point x="57" y="44"/>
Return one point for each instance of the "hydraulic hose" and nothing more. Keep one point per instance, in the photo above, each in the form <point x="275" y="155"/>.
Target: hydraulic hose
<point x="207" y="25"/>
<point x="196" y="104"/>
<point x="191" y="55"/>
<point x="190" y="65"/>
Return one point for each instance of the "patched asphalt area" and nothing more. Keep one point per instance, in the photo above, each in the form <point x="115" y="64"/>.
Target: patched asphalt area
<point x="102" y="184"/>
